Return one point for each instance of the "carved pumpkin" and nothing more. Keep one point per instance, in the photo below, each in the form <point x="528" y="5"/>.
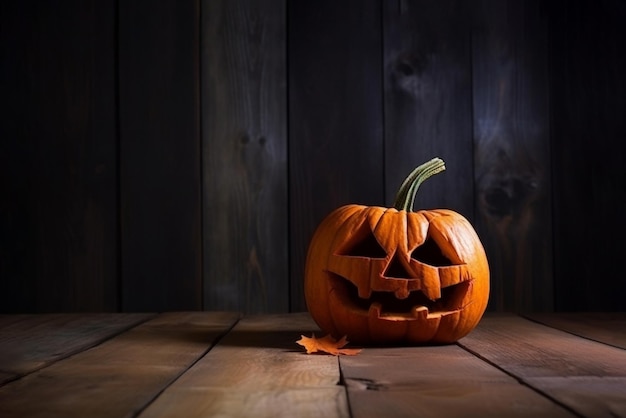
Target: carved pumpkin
<point x="392" y="275"/>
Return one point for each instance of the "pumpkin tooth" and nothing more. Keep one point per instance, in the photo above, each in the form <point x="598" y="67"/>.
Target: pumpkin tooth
<point x="432" y="292"/>
<point x="375" y="309"/>
<point x="419" y="312"/>
<point x="364" y="292"/>
<point x="431" y="283"/>
<point x="402" y="292"/>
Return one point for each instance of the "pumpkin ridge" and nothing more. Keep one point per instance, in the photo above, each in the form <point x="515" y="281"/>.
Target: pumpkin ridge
<point x="377" y="227"/>
<point x="416" y="232"/>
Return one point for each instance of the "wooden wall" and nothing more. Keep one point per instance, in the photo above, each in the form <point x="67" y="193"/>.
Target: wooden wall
<point x="178" y="155"/>
<point x="588" y="130"/>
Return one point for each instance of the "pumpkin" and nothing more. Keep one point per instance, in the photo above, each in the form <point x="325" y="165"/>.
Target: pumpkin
<point x="394" y="275"/>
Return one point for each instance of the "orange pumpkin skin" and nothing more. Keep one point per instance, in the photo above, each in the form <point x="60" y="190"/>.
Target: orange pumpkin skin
<point x="388" y="276"/>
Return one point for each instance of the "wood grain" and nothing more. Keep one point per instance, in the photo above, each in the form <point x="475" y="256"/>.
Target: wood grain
<point x="32" y="342"/>
<point x="258" y="369"/>
<point x="428" y="100"/>
<point x="607" y="328"/>
<point x="159" y="133"/>
<point x="512" y="151"/>
<point x="58" y="213"/>
<point x="121" y="376"/>
<point x="335" y="117"/>
<point x="244" y="136"/>
<point x="443" y="381"/>
<point x="556" y="363"/>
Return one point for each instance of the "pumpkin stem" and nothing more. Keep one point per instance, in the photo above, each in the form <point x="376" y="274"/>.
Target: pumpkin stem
<point x="406" y="195"/>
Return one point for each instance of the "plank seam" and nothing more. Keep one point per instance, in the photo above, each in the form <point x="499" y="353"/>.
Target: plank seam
<point x="79" y="350"/>
<point x="118" y="167"/>
<point x="201" y="149"/>
<point x="383" y="98"/>
<point x="288" y="169"/>
<point x="213" y="344"/>
<point x="342" y="382"/>
<point x="521" y="381"/>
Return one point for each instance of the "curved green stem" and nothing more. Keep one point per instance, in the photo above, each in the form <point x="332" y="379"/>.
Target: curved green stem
<point x="406" y="194"/>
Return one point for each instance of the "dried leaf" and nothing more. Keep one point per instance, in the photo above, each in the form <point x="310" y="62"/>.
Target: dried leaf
<point x="327" y="344"/>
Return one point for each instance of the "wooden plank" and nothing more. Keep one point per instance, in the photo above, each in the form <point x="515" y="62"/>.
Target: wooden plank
<point x="257" y="369"/>
<point x="428" y="99"/>
<point x="121" y="376"/>
<point x="335" y="117"/>
<point x="159" y="128"/>
<point x="58" y="213"/>
<point x="244" y="136"/>
<point x="556" y="363"/>
<point x="32" y="342"/>
<point x="587" y="102"/>
<point x="604" y="327"/>
<point x="443" y="381"/>
<point x="512" y="151"/>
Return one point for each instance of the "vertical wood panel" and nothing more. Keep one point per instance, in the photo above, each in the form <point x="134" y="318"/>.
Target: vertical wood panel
<point x="58" y="217"/>
<point x="512" y="151"/>
<point x="428" y="100"/>
<point x="159" y="155"/>
<point x="588" y="107"/>
<point x="335" y="117"/>
<point x="244" y="124"/>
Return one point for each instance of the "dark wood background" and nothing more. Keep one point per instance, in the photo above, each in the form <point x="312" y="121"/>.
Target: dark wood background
<point x="178" y="155"/>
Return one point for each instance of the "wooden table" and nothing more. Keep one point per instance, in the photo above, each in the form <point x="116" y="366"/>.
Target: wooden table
<point x="191" y="364"/>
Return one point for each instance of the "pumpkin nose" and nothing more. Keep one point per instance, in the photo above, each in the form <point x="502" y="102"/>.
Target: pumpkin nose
<point x="395" y="278"/>
<point x="396" y="269"/>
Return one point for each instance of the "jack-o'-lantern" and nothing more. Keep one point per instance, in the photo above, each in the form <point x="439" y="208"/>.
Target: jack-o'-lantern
<point x="395" y="276"/>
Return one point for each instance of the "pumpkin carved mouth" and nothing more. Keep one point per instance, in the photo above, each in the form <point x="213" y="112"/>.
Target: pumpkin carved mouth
<point x="385" y="305"/>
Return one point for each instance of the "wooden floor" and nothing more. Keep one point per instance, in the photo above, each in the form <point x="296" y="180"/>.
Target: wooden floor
<point x="219" y="364"/>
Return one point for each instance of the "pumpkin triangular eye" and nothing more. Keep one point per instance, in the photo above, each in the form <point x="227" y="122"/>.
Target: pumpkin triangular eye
<point x="363" y="244"/>
<point x="430" y="253"/>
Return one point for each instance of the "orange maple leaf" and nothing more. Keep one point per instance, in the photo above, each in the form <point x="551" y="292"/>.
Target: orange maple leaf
<point x="327" y="344"/>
